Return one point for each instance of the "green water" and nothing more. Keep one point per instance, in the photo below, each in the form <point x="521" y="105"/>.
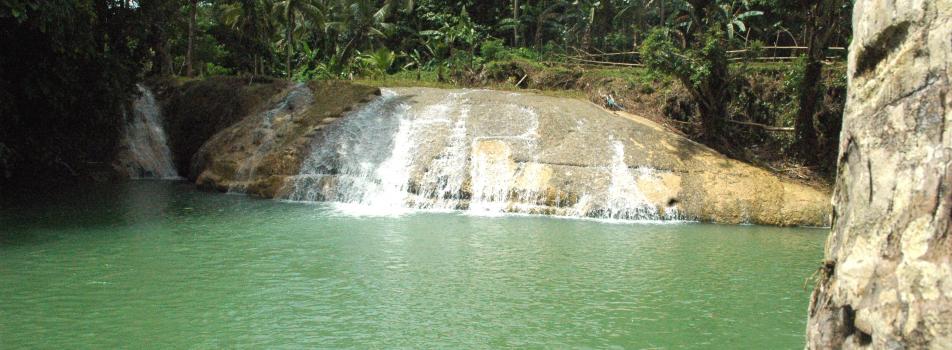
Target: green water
<point x="158" y="265"/>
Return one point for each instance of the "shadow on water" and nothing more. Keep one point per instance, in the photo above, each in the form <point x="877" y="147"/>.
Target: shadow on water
<point x="38" y="216"/>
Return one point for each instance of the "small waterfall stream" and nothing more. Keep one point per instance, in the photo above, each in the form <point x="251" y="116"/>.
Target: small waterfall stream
<point x="392" y="155"/>
<point x="145" y="151"/>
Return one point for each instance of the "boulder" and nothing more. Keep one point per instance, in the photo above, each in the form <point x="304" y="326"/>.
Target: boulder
<point x="258" y="153"/>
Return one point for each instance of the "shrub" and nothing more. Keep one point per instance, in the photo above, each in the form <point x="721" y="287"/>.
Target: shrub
<point x="493" y="49"/>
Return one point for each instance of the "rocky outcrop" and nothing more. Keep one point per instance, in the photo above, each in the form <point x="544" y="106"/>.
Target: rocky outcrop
<point x="257" y="154"/>
<point x="498" y="151"/>
<point x="490" y="150"/>
<point x="886" y="282"/>
<point x="195" y="110"/>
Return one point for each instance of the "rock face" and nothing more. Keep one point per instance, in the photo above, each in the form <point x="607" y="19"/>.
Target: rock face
<point x="887" y="280"/>
<point x="490" y="151"/>
<point x="258" y="154"/>
<point x="195" y="110"/>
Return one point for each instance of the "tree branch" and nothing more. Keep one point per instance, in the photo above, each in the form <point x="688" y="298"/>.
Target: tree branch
<point x="763" y="126"/>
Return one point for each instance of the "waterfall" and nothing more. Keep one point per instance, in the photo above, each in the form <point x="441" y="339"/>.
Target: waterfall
<point x="625" y="200"/>
<point x="362" y="160"/>
<point x="444" y="183"/>
<point x="453" y="151"/>
<point x="144" y="148"/>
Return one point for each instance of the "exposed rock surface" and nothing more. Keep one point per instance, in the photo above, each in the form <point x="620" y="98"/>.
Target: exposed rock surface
<point x="257" y="154"/>
<point x="196" y="110"/>
<point x="457" y="149"/>
<point x="887" y="280"/>
<point x="569" y="157"/>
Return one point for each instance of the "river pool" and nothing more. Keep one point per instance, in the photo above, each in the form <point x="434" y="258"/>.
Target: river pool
<point x="155" y="264"/>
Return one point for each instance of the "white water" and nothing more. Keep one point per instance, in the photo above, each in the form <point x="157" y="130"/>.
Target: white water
<point x="372" y="163"/>
<point x="625" y="199"/>
<point x="441" y="187"/>
<point x="349" y="164"/>
<point x="144" y="140"/>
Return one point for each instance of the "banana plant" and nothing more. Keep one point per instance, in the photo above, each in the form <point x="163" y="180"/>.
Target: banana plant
<point x="733" y="17"/>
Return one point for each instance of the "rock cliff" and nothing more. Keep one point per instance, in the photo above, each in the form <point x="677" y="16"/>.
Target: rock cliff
<point x="257" y="154"/>
<point x="886" y="282"/>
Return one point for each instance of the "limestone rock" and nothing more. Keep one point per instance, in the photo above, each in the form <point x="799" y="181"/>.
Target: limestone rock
<point x="887" y="279"/>
<point x="257" y="154"/>
<point x="492" y="150"/>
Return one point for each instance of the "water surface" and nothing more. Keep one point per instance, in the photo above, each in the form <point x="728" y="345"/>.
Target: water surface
<point x="159" y="265"/>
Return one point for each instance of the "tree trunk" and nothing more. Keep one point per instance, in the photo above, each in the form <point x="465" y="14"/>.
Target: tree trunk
<point x="162" y="59"/>
<point x="289" y="41"/>
<point x="166" y="58"/>
<point x="515" y="28"/>
<point x="712" y="119"/>
<point x="193" y="13"/>
<point x="819" y="26"/>
<point x="886" y="281"/>
<point x="587" y="35"/>
<point x="810" y="89"/>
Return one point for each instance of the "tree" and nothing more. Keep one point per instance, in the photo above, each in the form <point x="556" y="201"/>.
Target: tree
<point x="193" y="13"/>
<point x="67" y="72"/>
<point x="701" y="68"/>
<point x="288" y="11"/>
<point x="821" y="20"/>
<point x="158" y="17"/>
<point x="249" y="18"/>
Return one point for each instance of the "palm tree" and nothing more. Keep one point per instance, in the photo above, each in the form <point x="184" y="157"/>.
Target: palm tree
<point x="820" y="26"/>
<point x="549" y="16"/>
<point x="362" y="19"/>
<point x="250" y="19"/>
<point x="193" y="12"/>
<point x="289" y="11"/>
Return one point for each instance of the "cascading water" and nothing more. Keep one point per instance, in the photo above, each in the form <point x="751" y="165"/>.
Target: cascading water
<point x="441" y="187"/>
<point x="145" y="151"/>
<point x="354" y="162"/>
<point x="491" y="171"/>
<point x="408" y="152"/>
<point x="625" y="200"/>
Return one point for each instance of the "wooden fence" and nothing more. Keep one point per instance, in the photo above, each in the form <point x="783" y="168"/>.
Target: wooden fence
<point x="766" y="53"/>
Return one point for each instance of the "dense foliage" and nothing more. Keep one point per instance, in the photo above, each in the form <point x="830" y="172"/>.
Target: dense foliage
<point x="341" y="38"/>
<point x="67" y="69"/>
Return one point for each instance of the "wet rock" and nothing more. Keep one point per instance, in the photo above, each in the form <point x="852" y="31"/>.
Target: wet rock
<point x="501" y="151"/>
